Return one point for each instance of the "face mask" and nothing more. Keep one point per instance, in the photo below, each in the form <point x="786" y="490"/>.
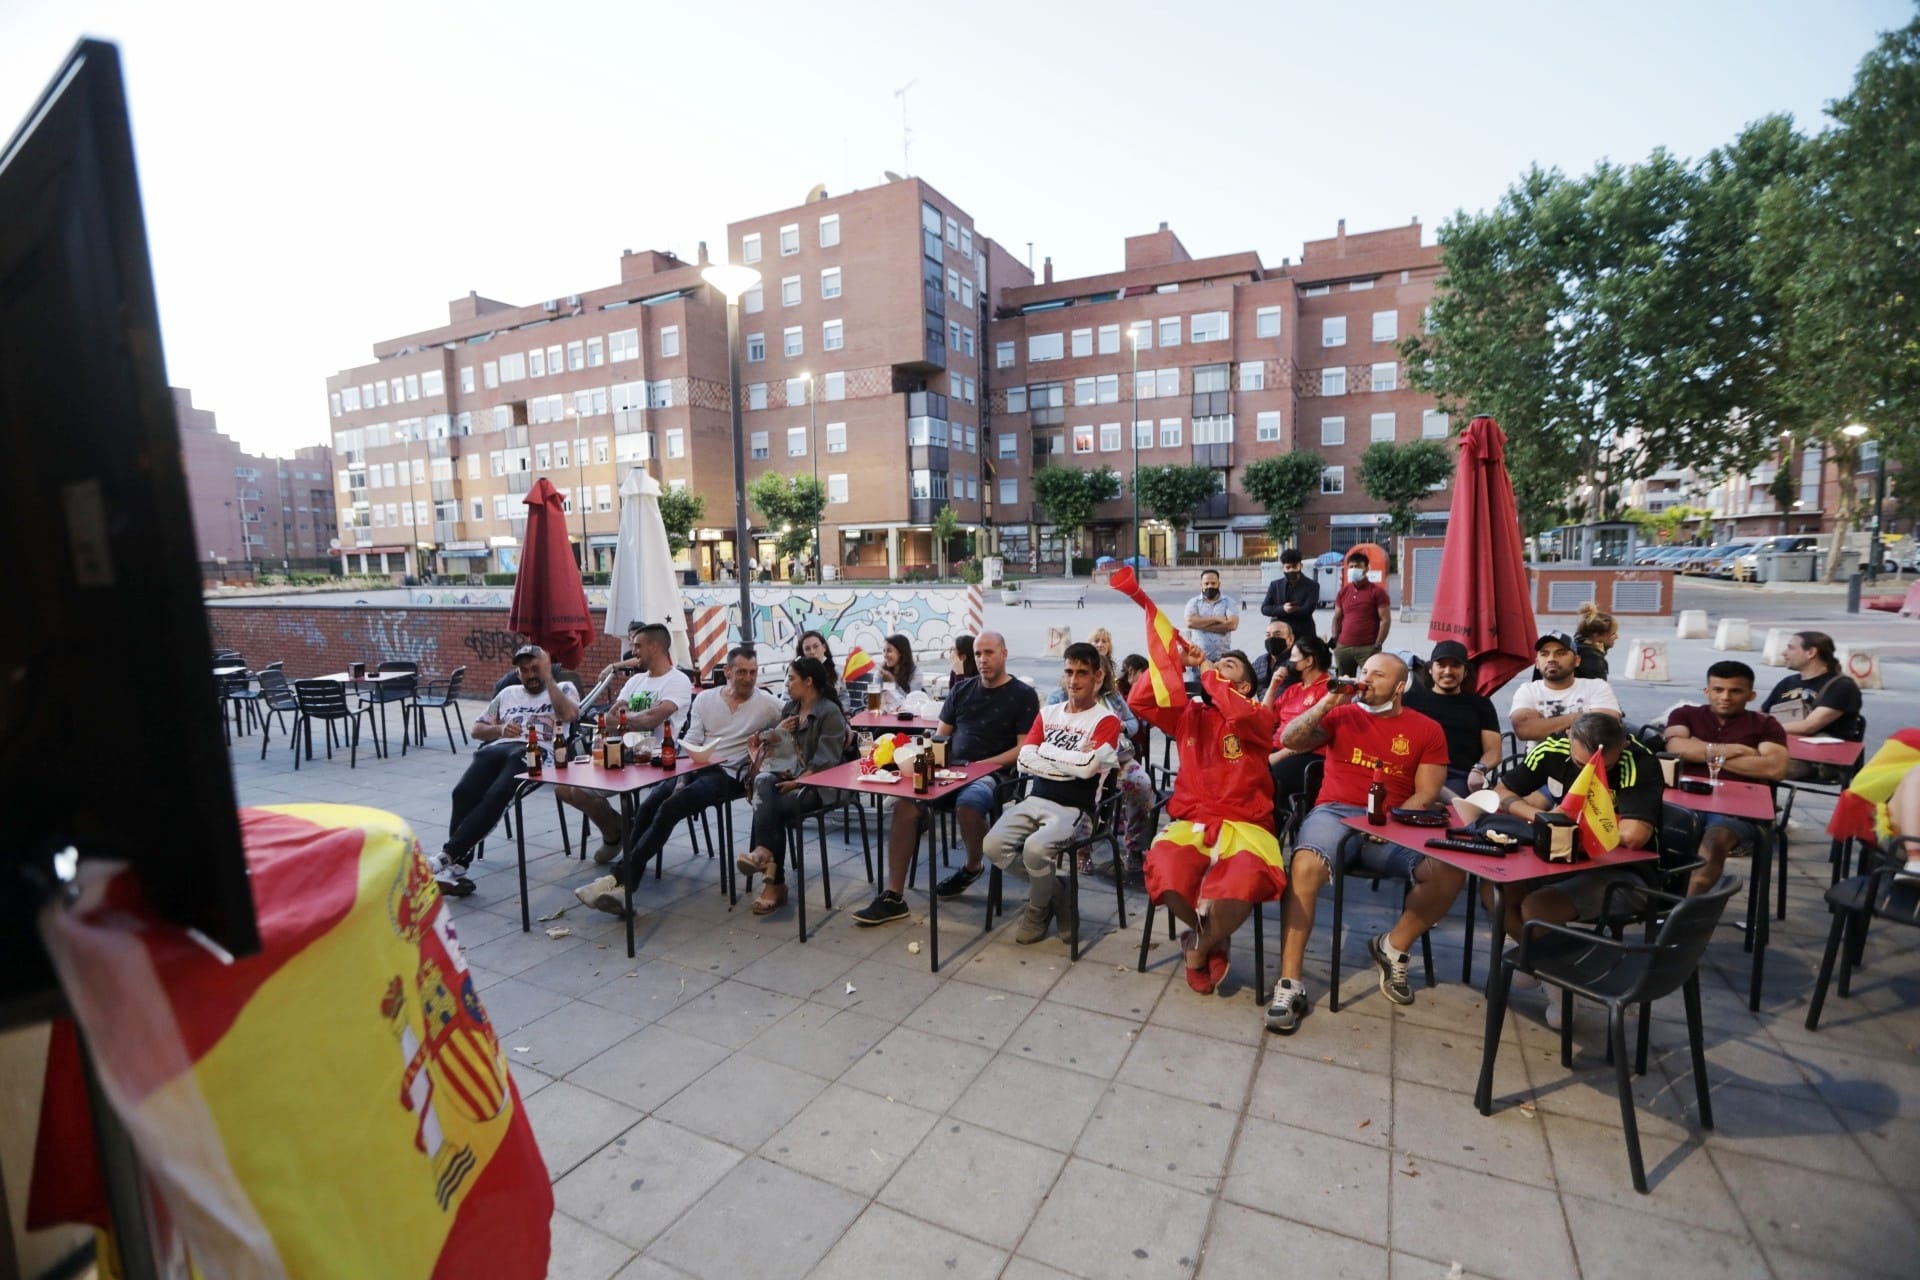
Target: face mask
<point x="1292" y="570"/>
<point x="1369" y="708"/>
<point x="1211" y="593"/>
<point x="1278" y="648"/>
<point x="1356" y="575"/>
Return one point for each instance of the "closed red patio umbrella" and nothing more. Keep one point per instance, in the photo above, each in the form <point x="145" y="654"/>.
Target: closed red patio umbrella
<point x="1483" y="598"/>
<point x="549" y="601"/>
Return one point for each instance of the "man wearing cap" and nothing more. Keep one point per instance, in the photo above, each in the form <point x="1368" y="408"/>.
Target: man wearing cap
<point x="1469" y="719"/>
<point x="1550" y="705"/>
<point x="1362" y="615"/>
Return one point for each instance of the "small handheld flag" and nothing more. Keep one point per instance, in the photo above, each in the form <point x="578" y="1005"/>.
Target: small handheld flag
<point x="1589" y="803"/>
<point x="858" y="664"/>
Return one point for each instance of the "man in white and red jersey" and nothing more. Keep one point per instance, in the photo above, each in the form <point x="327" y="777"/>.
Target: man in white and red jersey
<point x="1070" y="746"/>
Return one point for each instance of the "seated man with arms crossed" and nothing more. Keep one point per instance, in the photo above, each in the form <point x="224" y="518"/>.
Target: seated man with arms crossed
<point x="1544" y="707"/>
<point x="983" y="718"/>
<point x="486" y="788"/>
<point x="1364" y="731"/>
<point x="724" y="720"/>
<point x="1751" y="745"/>
<point x="668" y="694"/>
<point x="1069" y="746"/>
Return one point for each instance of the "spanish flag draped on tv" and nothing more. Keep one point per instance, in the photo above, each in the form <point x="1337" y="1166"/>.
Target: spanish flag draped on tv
<point x="335" y="1106"/>
<point x="858" y="664"/>
<point x="1589" y="802"/>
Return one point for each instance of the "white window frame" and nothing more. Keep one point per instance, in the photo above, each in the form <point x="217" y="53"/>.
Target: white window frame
<point x="790" y="295"/>
<point x="1386" y="326"/>
<point x="1333" y="331"/>
<point x="1333" y="431"/>
<point x="1209" y="326"/>
<point x="830" y="282"/>
<point x="1385" y="377"/>
<point x="1333" y="382"/>
<point x="796" y="442"/>
<point x="750" y="247"/>
<point x="836" y="437"/>
<point x="1042" y="347"/>
<point x="1004" y="356"/>
<point x="1333" y="480"/>
<point x="758" y="447"/>
<point x="1253" y="375"/>
<point x="829" y="230"/>
<point x="1082" y="343"/>
<point x="1170" y="433"/>
<point x="1266" y="426"/>
<point x="1434" y="425"/>
<point x="789" y="236"/>
<point x="1266" y="322"/>
<point x="837" y="492"/>
<point x="670" y="342"/>
<point x="1169" y="331"/>
<point x="1382" y="427"/>
<point x="793" y="341"/>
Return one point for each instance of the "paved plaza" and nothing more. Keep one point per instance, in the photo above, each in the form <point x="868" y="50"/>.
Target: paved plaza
<point x="732" y="1103"/>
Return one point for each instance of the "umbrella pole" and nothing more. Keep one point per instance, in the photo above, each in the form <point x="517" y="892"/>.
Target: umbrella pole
<point x="739" y="469"/>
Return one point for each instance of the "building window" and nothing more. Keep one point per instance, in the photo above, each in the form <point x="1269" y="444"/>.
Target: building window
<point x="796" y="341"/>
<point x="1386" y="326"/>
<point x="966" y="341"/>
<point x="953" y="234"/>
<point x="796" y="442"/>
<point x="1209" y="326"/>
<point x="1003" y="355"/>
<point x="660" y="394"/>
<point x="837" y="488"/>
<point x="1333" y="382"/>
<point x="1083" y="439"/>
<point x="432" y="383"/>
<point x="622" y="345"/>
<point x="1217" y="429"/>
<point x="576" y="356"/>
<point x="1357" y="286"/>
<point x="830" y="283"/>
<point x="513" y="368"/>
<point x="1140" y="333"/>
<point x="1043" y="346"/>
<point x="1333" y="331"/>
<point x="750" y="248"/>
<point x="334" y="399"/>
<point x="796" y="391"/>
<point x="754" y="300"/>
<point x="1083" y="390"/>
<point x="555" y="358"/>
<point x="966" y="243"/>
<point x="790" y="291"/>
<point x="966" y="292"/>
<point x="756" y="395"/>
<point x="599" y="449"/>
<point x="536" y="363"/>
<point x="1253" y="375"/>
<point x="676" y="442"/>
<point x="1016" y="399"/>
<point x="603" y="497"/>
<point x="832" y="336"/>
<point x="1386" y="377"/>
<point x="479" y="508"/>
<point x="1266" y="426"/>
<point x="757" y="444"/>
<point x="1382" y="428"/>
<point x="1166" y="382"/>
<point x="789" y="239"/>
<point x="1009" y="445"/>
<point x="1143" y="433"/>
<point x="1333" y="431"/>
<point x="1266" y="322"/>
<point x="953" y="284"/>
<point x="594" y="357"/>
<point x="1109" y="437"/>
<point x="953" y="335"/>
<point x="1333" y="480"/>
<point x="1082" y="342"/>
<point x="1433" y="425"/>
<point x="830" y="231"/>
<point x="1009" y="493"/>
<point x="834" y="387"/>
<point x="1169" y="433"/>
<point x="756" y="348"/>
<point x="1170" y="331"/>
<point x="836" y="437"/>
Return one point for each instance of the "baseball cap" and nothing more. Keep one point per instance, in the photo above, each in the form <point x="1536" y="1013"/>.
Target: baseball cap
<point x="1449" y="651"/>
<point x="1560" y="638"/>
<point x="526" y="651"/>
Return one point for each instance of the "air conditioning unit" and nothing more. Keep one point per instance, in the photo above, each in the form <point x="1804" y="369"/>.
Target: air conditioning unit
<point x="551" y="305"/>
<point x="573" y="300"/>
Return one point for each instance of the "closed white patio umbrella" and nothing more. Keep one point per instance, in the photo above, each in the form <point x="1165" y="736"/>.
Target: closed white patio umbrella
<point x="644" y="586"/>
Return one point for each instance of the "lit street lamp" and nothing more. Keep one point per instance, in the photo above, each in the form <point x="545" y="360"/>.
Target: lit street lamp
<point x="580" y="481"/>
<point x="733" y="280"/>
<point x="1875" y="549"/>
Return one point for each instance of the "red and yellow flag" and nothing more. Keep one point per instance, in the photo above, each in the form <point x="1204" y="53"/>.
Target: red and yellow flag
<point x="859" y="662"/>
<point x="1166" y="650"/>
<point x="1861" y="811"/>
<point x="1589" y="802"/>
<point x="336" y="1105"/>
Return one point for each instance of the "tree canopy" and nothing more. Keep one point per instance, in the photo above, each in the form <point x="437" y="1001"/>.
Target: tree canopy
<point x="680" y="510"/>
<point x="1071" y="495"/>
<point x="791" y="506"/>
<point x="1284" y="485"/>
<point x="1398" y="476"/>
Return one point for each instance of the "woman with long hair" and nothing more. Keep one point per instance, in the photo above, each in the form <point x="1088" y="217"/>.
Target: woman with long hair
<point x="1312" y="664"/>
<point x="812" y="644"/>
<point x="898" y="678"/>
<point x="818" y="727"/>
<point x="1593" y="636"/>
<point x="960" y="663"/>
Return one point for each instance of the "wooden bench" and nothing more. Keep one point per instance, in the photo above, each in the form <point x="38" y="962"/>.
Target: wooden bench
<point x="1073" y="593"/>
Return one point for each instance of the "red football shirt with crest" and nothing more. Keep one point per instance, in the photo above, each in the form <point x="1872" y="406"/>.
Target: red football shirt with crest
<point x="1223" y="752"/>
<point x="1360" y="740"/>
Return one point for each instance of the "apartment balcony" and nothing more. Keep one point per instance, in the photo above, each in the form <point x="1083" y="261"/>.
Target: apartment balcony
<point x="1214" y="507"/>
<point x="1219" y="456"/>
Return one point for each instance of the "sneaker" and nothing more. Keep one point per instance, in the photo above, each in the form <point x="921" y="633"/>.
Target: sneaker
<point x="610" y="849"/>
<point x="603" y="895"/>
<point x="450" y="874"/>
<point x="1393" y="969"/>
<point x="886" y="908"/>
<point x="1553" y="1010"/>
<point x="1033" y="924"/>
<point x="1290" y="1004"/>
<point x="958" y="883"/>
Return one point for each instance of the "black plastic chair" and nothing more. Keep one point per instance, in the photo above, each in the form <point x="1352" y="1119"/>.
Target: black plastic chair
<point x="326" y="701"/>
<point x="1617" y="974"/>
<point x="440" y="695"/>
<point x="1374" y="879"/>
<point x="401" y="689"/>
<point x="276" y="699"/>
<point x="1102" y="825"/>
<point x="1879" y="893"/>
<point x="237" y="692"/>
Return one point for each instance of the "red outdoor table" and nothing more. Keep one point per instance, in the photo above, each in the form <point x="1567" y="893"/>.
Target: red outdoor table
<point x="1843" y="755"/>
<point x="846" y="777"/>
<point x="893" y="722"/>
<point x="1753" y="801"/>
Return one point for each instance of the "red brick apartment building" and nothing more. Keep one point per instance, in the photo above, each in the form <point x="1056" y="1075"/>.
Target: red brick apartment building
<point x="865" y="361"/>
<point x="248" y="508"/>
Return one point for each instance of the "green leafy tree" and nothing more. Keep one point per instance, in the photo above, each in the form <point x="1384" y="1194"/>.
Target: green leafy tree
<point x="1284" y="485"/>
<point x="945" y="526"/>
<point x="1071" y="496"/>
<point x="680" y="510"/>
<point x="1172" y="493"/>
<point x="1401" y="476"/>
<point x="1663" y="526"/>
<point x="790" y="506"/>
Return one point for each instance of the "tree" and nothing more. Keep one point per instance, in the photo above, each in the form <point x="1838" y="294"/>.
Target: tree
<point x="1284" y="485"/>
<point x="1661" y="526"/>
<point x="1173" y="492"/>
<point x="791" y="507"/>
<point x="680" y="510"/>
<point x="1070" y="496"/>
<point x="945" y="525"/>
<point x="1398" y="476"/>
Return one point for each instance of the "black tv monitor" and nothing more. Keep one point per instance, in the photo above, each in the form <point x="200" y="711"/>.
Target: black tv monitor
<point x="110" y="734"/>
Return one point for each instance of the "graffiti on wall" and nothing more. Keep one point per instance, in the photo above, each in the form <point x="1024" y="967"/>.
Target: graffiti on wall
<point x="391" y="634"/>
<point x="930" y="617"/>
<point x="492" y="646"/>
<point x="302" y="630"/>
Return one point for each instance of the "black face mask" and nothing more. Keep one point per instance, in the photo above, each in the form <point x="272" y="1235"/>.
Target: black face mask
<point x="1211" y="593"/>
<point x="1292" y="570"/>
<point x="1277" y="647"/>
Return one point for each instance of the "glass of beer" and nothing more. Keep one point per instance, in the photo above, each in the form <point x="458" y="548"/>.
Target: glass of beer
<point x="873" y="701"/>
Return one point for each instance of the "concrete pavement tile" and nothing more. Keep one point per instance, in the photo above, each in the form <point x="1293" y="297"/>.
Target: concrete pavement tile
<point x="1779" y="1126"/>
<point x="796" y="969"/>
<point x="1167" y="1139"/>
<point x="645" y="1268"/>
<point x="731" y="1013"/>
<point x="1031" y="1100"/>
<point x="1197" y="1068"/>
<point x="578" y="1252"/>
<point x="473" y="927"/>
<point x="916" y="1068"/>
<point x="636" y="1185"/>
<point x="1077" y="1038"/>
<point x="1427" y="1214"/>
<point x="1306" y="1093"/>
<point x="885" y="1243"/>
<point x="1451" y="1060"/>
<point x="1007" y="966"/>
<point x="572" y="1123"/>
<point x="726" y="950"/>
<point x="850" y="1138"/>
<point x="742" y="1102"/>
<point x="1823" y="1215"/>
<point x="1892" y="1144"/>
<point x="971" y="1014"/>
<point x="1236" y="1018"/>
<point x="647" y="990"/>
<point x="1329" y="1182"/>
<point x="760" y="1220"/>
<point x="975" y="1181"/>
<point x="883" y="991"/>
<point x="1245" y="1245"/>
<point x="511" y="1003"/>
<point x="578" y="973"/>
<point x="819" y="1040"/>
<point x="1363" y="1044"/>
<point x="1028" y="1269"/>
<point x="1441" y="1124"/>
<point x="1861" y="1082"/>
<point x="1106" y="986"/>
<point x="514" y="952"/>
<point x="1684" y="1184"/>
<point x="570" y="1035"/>
<point x="1109" y="1223"/>
<point x="648" y="1067"/>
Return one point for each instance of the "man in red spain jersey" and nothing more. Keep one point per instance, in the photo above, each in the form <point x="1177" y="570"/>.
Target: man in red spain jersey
<point x="1217" y="858"/>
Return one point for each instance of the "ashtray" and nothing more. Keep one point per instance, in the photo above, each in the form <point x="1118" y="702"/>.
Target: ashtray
<point x="1419" y="817"/>
<point x="906" y="717"/>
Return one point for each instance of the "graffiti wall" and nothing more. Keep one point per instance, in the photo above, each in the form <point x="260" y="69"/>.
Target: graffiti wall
<point x="849" y="615"/>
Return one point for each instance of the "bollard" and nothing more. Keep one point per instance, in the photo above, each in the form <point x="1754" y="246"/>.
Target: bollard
<point x="1862" y="662"/>
<point x="1853" y="594"/>
<point x="1734" y="633"/>
<point x="1692" y="624"/>
<point x="1773" y="654"/>
<point x="1646" y="660"/>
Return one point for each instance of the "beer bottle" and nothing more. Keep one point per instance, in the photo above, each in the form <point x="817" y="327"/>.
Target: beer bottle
<point x="922" y="771"/>
<point x="667" y="757"/>
<point x="559" y="748"/>
<point x="1377" y="800"/>
<point x="533" y="749"/>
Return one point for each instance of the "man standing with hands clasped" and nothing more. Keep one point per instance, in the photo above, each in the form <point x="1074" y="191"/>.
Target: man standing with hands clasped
<point x="1293" y="596"/>
<point x="1362" y="615"/>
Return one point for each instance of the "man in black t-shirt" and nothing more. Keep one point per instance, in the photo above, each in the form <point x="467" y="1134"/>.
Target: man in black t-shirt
<point x="1816" y="699"/>
<point x="984" y="718"/>
<point x="1469" y="719"/>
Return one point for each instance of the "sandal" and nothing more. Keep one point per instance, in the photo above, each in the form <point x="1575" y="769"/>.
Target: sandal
<point x="773" y="896"/>
<point x="755" y="862"/>
<point x="1201" y="979"/>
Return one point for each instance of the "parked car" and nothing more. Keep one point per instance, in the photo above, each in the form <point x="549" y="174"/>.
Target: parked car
<point x="1751" y="560"/>
<point x="1720" y="563"/>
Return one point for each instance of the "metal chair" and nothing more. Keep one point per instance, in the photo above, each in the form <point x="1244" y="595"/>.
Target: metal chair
<point x="1878" y="893"/>
<point x="425" y="699"/>
<point x="326" y="701"/>
<point x="276" y="699"/>
<point x="1617" y="974"/>
<point x="1373" y="878"/>
<point x="1102" y="825"/>
<point x="401" y="689"/>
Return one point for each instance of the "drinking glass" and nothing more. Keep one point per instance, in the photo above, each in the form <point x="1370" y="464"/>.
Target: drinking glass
<point x="1716" y="756"/>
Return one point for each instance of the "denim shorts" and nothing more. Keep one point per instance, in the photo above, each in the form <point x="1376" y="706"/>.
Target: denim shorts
<point x="1325" y="834"/>
<point x="1746" y="836"/>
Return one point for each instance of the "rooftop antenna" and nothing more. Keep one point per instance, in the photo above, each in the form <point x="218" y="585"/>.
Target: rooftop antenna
<point x="906" y="134"/>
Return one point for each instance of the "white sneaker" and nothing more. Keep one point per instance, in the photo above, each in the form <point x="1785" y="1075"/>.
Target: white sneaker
<point x="451" y="876"/>
<point x="1553" y="1010"/>
<point x="603" y="895"/>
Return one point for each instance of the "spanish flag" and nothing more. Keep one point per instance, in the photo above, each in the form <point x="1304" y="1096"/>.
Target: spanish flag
<point x="1166" y="651"/>
<point x="336" y="1105"/>
<point x="1861" y="811"/>
<point x="1589" y="803"/>
<point x="858" y="664"/>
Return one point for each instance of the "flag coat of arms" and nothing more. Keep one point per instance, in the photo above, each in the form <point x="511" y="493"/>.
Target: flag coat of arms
<point x="1589" y="802"/>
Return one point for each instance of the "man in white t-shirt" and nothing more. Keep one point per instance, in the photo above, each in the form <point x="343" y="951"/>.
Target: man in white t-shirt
<point x="1550" y="705"/>
<point x="485" y="790"/>
<point x="658" y="692"/>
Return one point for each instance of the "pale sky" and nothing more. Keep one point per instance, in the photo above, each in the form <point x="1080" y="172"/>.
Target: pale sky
<point x="317" y="182"/>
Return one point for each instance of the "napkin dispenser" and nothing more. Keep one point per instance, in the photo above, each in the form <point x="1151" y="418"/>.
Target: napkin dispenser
<point x="1555" y="838"/>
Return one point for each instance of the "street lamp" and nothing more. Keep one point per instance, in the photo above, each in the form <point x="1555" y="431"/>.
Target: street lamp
<point x="733" y="280"/>
<point x="813" y="447"/>
<point x="580" y="481"/>
<point x="1875" y="548"/>
<point x="1133" y="340"/>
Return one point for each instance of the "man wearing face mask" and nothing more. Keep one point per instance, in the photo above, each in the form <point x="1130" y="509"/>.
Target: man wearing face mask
<point x="1276" y="660"/>
<point x="1362" y="613"/>
<point x="1293" y="596"/>
<point x="1211" y="618"/>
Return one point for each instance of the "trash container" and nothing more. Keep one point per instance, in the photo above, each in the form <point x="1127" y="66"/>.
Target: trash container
<point x="1328" y="576"/>
<point x="1787" y="566"/>
<point x="690" y="577"/>
<point x="992" y="569"/>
